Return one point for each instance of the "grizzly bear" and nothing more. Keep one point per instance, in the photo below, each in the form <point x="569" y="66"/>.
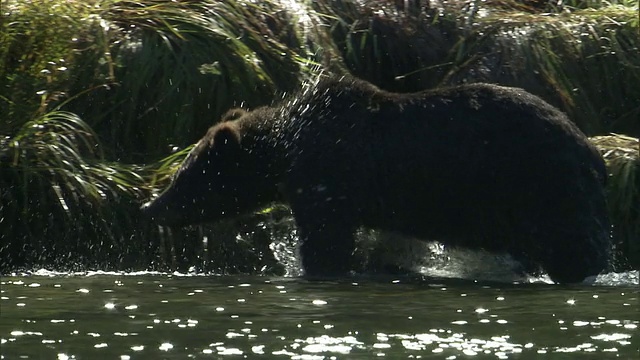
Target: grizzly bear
<point x="478" y="166"/>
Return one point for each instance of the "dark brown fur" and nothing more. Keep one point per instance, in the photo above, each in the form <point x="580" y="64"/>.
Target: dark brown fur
<point x="479" y="166"/>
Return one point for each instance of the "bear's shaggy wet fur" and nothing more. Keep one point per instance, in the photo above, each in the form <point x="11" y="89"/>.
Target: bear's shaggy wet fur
<point x="478" y="166"/>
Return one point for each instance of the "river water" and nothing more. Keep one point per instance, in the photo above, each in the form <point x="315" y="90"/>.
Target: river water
<point x="97" y="315"/>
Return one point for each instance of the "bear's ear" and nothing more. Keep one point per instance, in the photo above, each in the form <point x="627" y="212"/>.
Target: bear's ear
<point x="233" y="114"/>
<point x="226" y="137"/>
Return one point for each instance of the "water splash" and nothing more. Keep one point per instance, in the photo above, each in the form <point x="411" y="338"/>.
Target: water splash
<point x="619" y="279"/>
<point x="434" y="259"/>
<point x="378" y="251"/>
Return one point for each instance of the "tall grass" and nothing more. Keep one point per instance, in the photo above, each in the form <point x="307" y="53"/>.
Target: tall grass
<point x="63" y="205"/>
<point x="149" y="74"/>
<point x="582" y="56"/>
<point x="36" y="52"/>
<point x="585" y="61"/>
<point x="398" y="49"/>
<point x="89" y="89"/>
<point x="177" y="67"/>
<point x="622" y="155"/>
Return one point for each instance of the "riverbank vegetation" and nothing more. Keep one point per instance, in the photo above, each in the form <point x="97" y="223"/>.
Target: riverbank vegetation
<point x="101" y="99"/>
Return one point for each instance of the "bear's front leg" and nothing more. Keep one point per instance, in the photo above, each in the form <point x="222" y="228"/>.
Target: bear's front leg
<point x="327" y="242"/>
<point x="326" y="250"/>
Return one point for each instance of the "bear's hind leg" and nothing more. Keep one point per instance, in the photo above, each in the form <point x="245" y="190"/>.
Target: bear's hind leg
<point x="569" y="232"/>
<point x="574" y="241"/>
<point x="575" y="255"/>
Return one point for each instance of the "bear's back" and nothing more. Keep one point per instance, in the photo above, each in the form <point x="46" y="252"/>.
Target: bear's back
<point x="441" y="162"/>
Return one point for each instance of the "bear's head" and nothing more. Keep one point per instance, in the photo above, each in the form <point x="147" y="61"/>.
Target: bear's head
<point x="220" y="178"/>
